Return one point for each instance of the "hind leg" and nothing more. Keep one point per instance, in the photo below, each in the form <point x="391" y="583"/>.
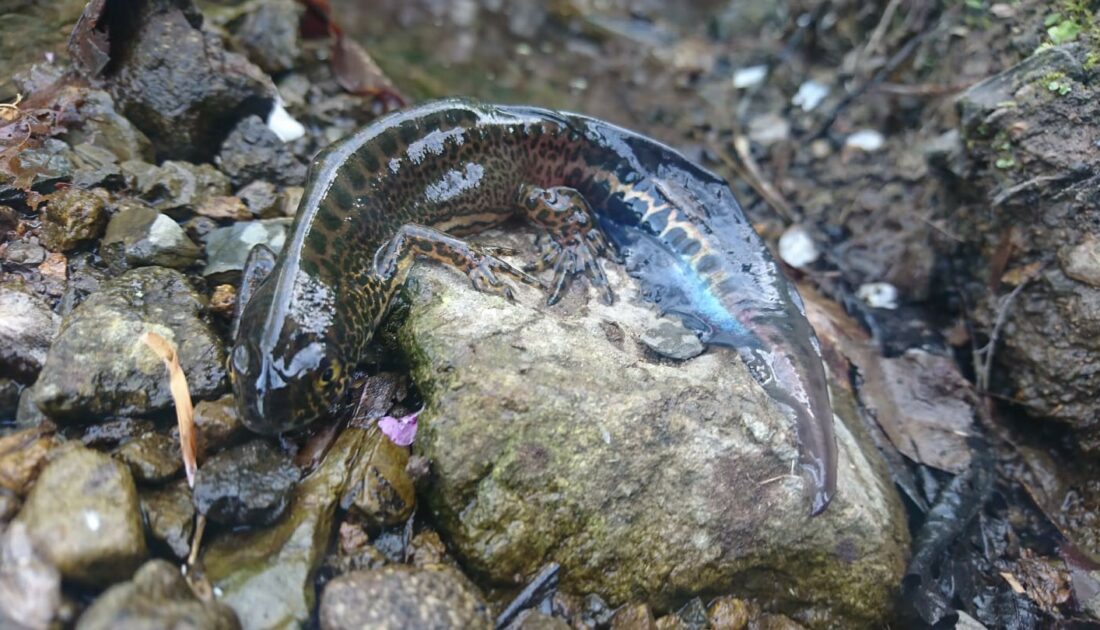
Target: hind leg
<point x="573" y="243"/>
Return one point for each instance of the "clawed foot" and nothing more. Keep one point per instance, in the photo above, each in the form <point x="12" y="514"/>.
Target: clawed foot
<point x="573" y="241"/>
<point x="573" y="258"/>
<point x="485" y="270"/>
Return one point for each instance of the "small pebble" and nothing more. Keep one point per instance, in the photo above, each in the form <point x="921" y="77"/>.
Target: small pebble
<point x="669" y="338"/>
<point x="224" y="299"/>
<point x="749" y="77"/>
<point x="797" y="248"/>
<point x="810" y="94"/>
<point x="867" y="140"/>
<point x="879" y="295"/>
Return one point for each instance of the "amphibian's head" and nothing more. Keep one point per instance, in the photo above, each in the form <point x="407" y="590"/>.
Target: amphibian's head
<point x="286" y="367"/>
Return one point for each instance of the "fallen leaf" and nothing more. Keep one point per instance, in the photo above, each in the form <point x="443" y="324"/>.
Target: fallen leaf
<point x="185" y="413"/>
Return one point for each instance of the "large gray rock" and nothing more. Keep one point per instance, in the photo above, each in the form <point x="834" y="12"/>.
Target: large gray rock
<point x="157" y="597"/>
<point x="400" y="596"/>
<point x="552" y="440"/>
<point x="178" y="84"/>
<point x="98" y="366"/>
<point x="27" y="326"/>
<point x="83" y="516"/>
<point x="1030" y="175"/>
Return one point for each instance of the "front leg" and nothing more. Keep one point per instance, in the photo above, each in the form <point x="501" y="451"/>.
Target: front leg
<point x="575" y="242"/>
<point x="480" y="264"/>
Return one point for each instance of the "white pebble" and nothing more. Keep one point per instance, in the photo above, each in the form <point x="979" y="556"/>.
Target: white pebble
<point x="797" y="248"/>
<point x="810" y="94"/>
<point x="749" y="77"/>
<point x="283" y="124"/>
<point x="867" y="140"/>
<point x="879" y="295"/>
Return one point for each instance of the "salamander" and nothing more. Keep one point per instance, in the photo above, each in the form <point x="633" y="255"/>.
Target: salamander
<point x="409" y="184"/>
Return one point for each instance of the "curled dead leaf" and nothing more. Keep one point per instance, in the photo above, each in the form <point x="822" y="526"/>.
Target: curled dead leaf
<point x="185" y="412"/>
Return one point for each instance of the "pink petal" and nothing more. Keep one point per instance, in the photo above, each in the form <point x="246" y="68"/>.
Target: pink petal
<point x="401" y="431"/>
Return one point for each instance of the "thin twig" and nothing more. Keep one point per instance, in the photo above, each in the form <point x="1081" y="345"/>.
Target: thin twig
<point x="923" y="89"/>
<point x="985" y="353"/>
<point x="750" y="172"/>
<point x="879" y="32"/>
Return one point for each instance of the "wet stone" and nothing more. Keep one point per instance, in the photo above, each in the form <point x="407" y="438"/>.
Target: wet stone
<point x="83" y="515"/>
<point x="95" y="166"/>
<point x="27" y="327"/>
<point x="1082" y="262"/>
<point x="729" y="613"/>
<point x="71" y="217"/>
<point x="183" y="95"/>
<point x="384" y="493"/>
<point x="111" y="433"/>
<point x="198" y="228"/>
<point x="672" y="340"/>
<point x="657" y="497"/>
<point x="22" y="456"/>
<point x="157" y="597"/>
<point x="152" y="457"/>
<point x="9" y="505"/>
<point x="535" y="620"/>
<point x="399" y="596"/>
<point x="223" y="300"/>
<point x="253" y="151"/>
<point x="245" y="485"/>
<point x="169" y="515"/>
<point x="103" y="127"/>
<point x="179" y="188"/>
<point x="10" y="391"/>
<point x="227" y="248"/>
<point x="224" y="207"/>
<point x="30" y="587"/>
<point x="426" y="548"/>
<point x="261" y="198"/>
<point x="27" y="414"/>
<point x="633" y="617"/>
<point x="51" y="163"/>
<point x="269" y="35"/>
<point x="139" y="236"/>
<point x="267" y="575"/>
<point x="596" y="612"/>
<point x="24" y="253"/>
<point x="217" y="423"/>
<point x="85" y="276"/>
<point x="119" y="375"/>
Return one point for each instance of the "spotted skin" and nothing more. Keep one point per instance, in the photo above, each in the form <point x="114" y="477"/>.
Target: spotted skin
<point x="403" y="186"/>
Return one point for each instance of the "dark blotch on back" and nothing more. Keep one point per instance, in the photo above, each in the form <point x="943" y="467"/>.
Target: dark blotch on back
<point x="387" y="143"/>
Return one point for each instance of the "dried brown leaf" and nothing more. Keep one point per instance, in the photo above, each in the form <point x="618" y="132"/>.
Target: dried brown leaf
<point x="185" y="413"/>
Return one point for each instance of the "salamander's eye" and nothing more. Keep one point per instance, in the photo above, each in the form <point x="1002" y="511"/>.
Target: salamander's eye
<point x="328" y="374"/>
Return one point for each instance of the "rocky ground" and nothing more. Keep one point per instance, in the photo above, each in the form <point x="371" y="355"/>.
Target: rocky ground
<point x="927" y="171"/>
